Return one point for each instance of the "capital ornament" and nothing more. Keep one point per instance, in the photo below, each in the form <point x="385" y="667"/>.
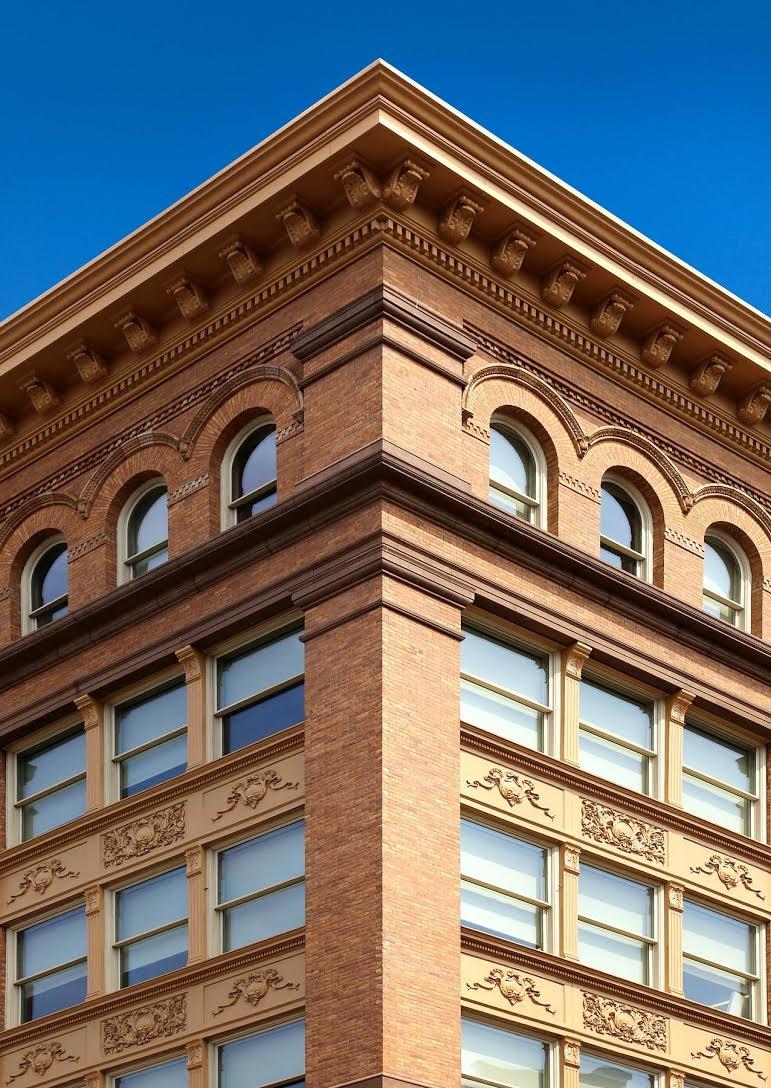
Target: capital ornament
<point x="241" y="261"/>
<point x="42" y="396"/>
<point x="707" y="376"/>
<point x="574" y="659"/>
<point x="627" y="833"/>
<point x="730" y="873"/>
<point x="730" y="1055"/>
<point x="458" y="218"/>
<point x="190" y="660"/>
<point x="253" y="988"/>
<point x="513" y="789"/>
<point x="675" y="897"/>
<point x="360" y="185"/>
<point x="39" y="1059"/>
<point x="141" y="836"/>
<point x="40" y="878"/>
<point x="190" y="299"/>
<point x="558" y="287"/>
<point x="513" y="987"/>
<point x="679" y="704"/>
<point x="138" y="332"/>
<point x="571" y="1052"/>
<point x="299" y="224"/>
<point x="402" y="185"/>
<point x="659" y="343"/>
<point x="753" y="407"/>
<point x="604" y="1016"/>
<point x="252" y="790"/>
<point x="88" y="363"/>
<point x="609" y="313"/>
<point x="507" y="256"/>
<point x="160" y="1020"/>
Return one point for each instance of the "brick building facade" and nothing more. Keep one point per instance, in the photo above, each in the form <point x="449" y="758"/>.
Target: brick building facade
<point x="385" y="624"/>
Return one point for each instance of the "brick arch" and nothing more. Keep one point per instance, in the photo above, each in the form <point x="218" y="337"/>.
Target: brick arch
<point x="648" y="455"/>
<point x="53" y="499"/>
<point x="150" y="443"/>
<point x="738" y="498"/>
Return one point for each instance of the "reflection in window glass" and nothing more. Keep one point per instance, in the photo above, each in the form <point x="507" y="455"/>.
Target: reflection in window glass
<point x="48" y="587"/>
<point x="615" y="924"/>
<point x="151" y="738"/>
<point x="147" y="535"/>
<point x="167" y="1075"/>
<point x="51" y="964"/>
<point x="621" y="530"/>
<point x="270" y="1057"/>
<point x="51" y="783"/>
<point x="616" y="736"/>
<point x="504" y="690"/>
<point x="253" y="475"/>
<point x="723" y="595"/>
<point x="495" y="1056"/>
<point x="598" y="1072"/>
<point x="513" y="473"/>
<point x="719" y="960"/>
<point x="719" y="780"/>
<point x="151" y="927"/>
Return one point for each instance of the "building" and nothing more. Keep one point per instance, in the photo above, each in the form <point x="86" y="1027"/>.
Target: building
<point x="385" y="494"/>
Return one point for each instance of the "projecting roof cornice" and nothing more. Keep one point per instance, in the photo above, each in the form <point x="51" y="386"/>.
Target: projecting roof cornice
<point x="378" y="144"/>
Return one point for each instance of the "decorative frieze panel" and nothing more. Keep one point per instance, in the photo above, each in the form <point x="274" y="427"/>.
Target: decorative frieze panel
<point x="506" y="789"/>
<point x="263" y="790"/>
<point x="626" y="833"/>
<point x="733" y="875"/>
<point x="604" y="1016"/>
<point x="163" y="827"/>
<point x="160" y="1020"/>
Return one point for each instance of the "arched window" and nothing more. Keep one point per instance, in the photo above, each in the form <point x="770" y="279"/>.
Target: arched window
<point x="624" y="528"/>
<point x="145" y="532"/>
<point x="45" y="585"/>
<point x="249" y="473"/>
<point x="725" y="580"/>
<point x="517" y="472"/>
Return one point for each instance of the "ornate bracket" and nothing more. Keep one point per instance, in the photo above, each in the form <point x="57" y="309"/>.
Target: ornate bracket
<point x="706" y="377"/>
<point x="507" y="256"/>
<point x="458" y="218"/>
<point x="42" y="396"/>
<point x="609" y="313"/>
<point x="658" y="344"/>
<point x="402" y="185"/>
<point x="189" y="298"/>
<point x="299" y="224"/>
<point x="558" y="287"/>
<point x="88" y="363"/>
<point x="361" y="186"/>
<point x="752" y="409"/>
<point x="241" y="261"/>
<point x="138" y="332"/>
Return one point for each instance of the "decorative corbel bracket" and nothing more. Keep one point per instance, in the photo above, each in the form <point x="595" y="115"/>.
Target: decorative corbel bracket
<point x="658" y="344"/>
<point x="189" y="298"/>
<point x="139" y="334"/>
<point x="752" y="409"/>
<point x="402" y="184"/>
<point x="43" y="397"/>
<point x="458" y="218"/>
<point x="299" y="224"/>
<point x="361" y="186"/>
<point x="609" y="313"/>
<point x="507" y="256"/>
<point x="707" y="376"/>
<point x="559" y="284"/>
<point x="241" y="261"/>
<point x="6" y="427"/>
<point x="574" y="658"/>
<point x="88" y="363"/>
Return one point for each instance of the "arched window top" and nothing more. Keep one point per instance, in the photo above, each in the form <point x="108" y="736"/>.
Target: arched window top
<point x="251" y="471"/>
<point x="46" y="591"/>
<point x="725" y="579"/>
<point x="146" y="533"/>
<point x="624" y="528"/>
<point x="517" y="472"/>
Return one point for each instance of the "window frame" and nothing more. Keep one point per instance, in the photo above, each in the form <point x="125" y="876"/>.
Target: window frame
<point x="110" y="905"/>
<point x="28" y="615"/>
<point x="112" y="1077"/>
<point x="229" y="505"/>
<point x="255" y="1028"/>
<point x="633" y="1062"/>
<point x="126" y="561"/>
<point x="13" y="998"/>
<point x="538" y="504"/>
<point x="744" y="605"/>
<point x="644" y="557"/>
<point x="707" y="723"/>
<point x="758" y="982"/>
<point x="551" y="1045"/>
<point x="17" y="748"/>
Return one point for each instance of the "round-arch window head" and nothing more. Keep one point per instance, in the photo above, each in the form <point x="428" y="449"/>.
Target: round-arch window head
<point x="723" y="593"/>
<point x="513" y="474"/>
<point x="147" y="532"/>
<point x="48" y="586"/>
<point x="622" y="531"/>
<point x="253" y="473"/>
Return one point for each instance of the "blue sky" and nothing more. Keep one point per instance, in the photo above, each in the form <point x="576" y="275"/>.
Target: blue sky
<point x="661" y="112"/>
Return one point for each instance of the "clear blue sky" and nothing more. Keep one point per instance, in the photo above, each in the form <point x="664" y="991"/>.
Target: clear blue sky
<point x="660" y="111"/>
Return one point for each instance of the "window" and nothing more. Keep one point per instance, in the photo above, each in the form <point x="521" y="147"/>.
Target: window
<point x="516" y="472"/>
<point x="249" y="472"/>
<point x="45" y="585"/>
<point x="151" y="927"/>
<point x="504" y="885"/>
<point x="151" y="738"/>
<point x="146" y="533"/>
<point x="51" y="783"/>
<point x="276" y="1056"/>
<point x="171" y="1074"/>
<point x="51" y="964"/>
<point x="719" y="780"/>
<point x="616" y="925"/>
<point x="504" y="689"/>
<point x="501" y="1058"/>
<point x="725" y="578"/>
<point x="597" y="1072"/>
<point x="617" y="737"/>
<point x="261" y="886"/>
<point x="260" y="691"/>
<point x="720" y="960"/>
<point x="624" y="533"/>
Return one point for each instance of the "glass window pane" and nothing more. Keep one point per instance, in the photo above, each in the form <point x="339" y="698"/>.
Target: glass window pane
<point x="54" y="809"/>
<point x="614" y="762"/>
<point x="719" y="938"/>
<point x="168" y="1075"/>
<point x="255" y="462"/>
<point x="151" y="904"/>
<point x="59" y="990"/>
<point x="599" y="1073"/>
<point x="721" y="570"/>
<point x="40" y="768"/>
<point x="249" y="508"/>
<point x="711" y="803"/>
<point x="619" y="517"/>
<point x="511" y="462"/>
<point x="719" y="610"/>
<point x="497" y="858"/>
<point x="263" y="719"/>
<point x="493" y="1054"/>
<point x="623" y="716"/>
<point x="265" y="1058"/>
<point x="142" y="720"/>
<point x="154" y="765"/>
<point x="514" y="506"/>
<point x="612" y="952"/>
<point x="262" y="667"/>
<point x="500" y="715"/>
<point x="49" y="943"/>
<point x="153" y="956"/>
<point x="730" y="763"/>
<point x="501" y="915"/>
<point x="719" y="989"/>
<point x="263" y="917"/>
<point x="619" y="561"/>
<point x="150" y="562"/>
<point x="49" y="578"/>
<point x="504" y="666"/>
<point x="149" y="522"/>
<point x="262" y="862"/>
<point x="615" y="900"/>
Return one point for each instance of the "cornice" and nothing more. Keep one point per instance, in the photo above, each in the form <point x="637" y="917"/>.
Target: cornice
<point x="658" y="1001"/>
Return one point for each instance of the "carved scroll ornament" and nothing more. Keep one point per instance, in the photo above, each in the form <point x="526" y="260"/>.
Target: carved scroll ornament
<point x="730" y="1055"/>
<point x="140" y="837"/>
<point x="252" y="790"/>
<point x="512" y="788"/>
<point x="40" y="1058"/>
<point x="513" y="987"/>
<point x="41" y="877"/>
<point x="604" y="1016"/>
<point x="606" y="825"/>
<point x="160" y="1020"/>
<point x="253" y="988"/>
<point x="730" y="873"/>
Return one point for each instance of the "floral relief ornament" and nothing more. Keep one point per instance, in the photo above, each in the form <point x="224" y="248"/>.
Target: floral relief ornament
<point x="729" y="873"/>
<point x="252" y="790"/>
<point x="513" y="987"/>
<point x="160" y="1020"/>
<point x="41" y="877"/>
<point x="607" y="1017"/>
<point x="730" y="1055"/>
<point x="134" y="840"/>
<point x="512" y="788"/>
<point x="603" y="824"/>
<point x="40" y="1059"/>
<point x="253" y="988"/>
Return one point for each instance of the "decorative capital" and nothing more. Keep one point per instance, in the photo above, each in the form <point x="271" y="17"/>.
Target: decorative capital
<point x="571" y="1052"/>
<point x="609" y="312"/>
<point x="189" y="298"/>
<point x="192" y="661"/>
<point x="678" y="705"/>
<point x="557" y="289"/>
<point x="706" y="377"/>
<point x="195" y="1053"/>
<point x="91" y="711"/>
<point x="574" y="658"/>
<point x="241" y="260"/>
<point x="361" y="186"/>
<point x="194" y="861"/>
<point x="458" y="217"/>
<point x="299" y="224"/>
<point x="675" y="895"/>
<point x="42" y="396"/>
<point x="658" y="344"/>
<point x="506" y="256"/>
<point x="402" y="184"/>
<point x="93" y="899"/>
<point x="571" y="859"/>
<point x="675" y="1079"/>
<point x="88" y="363"/>
<point x="752" y="409"/>
<point x="139" y="334"/>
